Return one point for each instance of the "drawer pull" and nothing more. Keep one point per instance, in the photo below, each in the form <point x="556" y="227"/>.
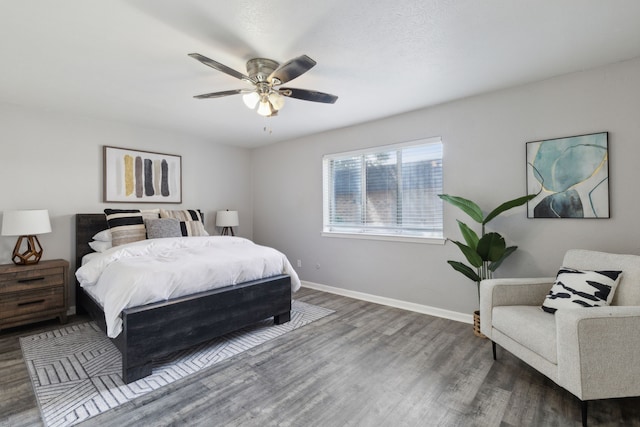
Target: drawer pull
<point x="38" y="301"/>
<point x="33" y="279"/>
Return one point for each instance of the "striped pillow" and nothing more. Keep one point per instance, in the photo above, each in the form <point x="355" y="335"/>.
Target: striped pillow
<point x="150" y="213"/>
<point x="191" y="223"/>
<point x="183" y="215"/>
<point x="192" y="228"/>
<point x="126" y="225"/>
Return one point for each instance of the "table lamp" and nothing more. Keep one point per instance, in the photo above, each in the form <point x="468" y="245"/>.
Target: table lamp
<point x="26" y="224"/>
<point x="227" y="220"/>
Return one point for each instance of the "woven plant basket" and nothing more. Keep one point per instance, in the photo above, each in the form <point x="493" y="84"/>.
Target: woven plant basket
<point x="476" y="324"/>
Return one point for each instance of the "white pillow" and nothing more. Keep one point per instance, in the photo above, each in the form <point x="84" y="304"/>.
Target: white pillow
<point x="99" y="246"/>
<point x="581" y="288"/>
<point x="103" y="236"/>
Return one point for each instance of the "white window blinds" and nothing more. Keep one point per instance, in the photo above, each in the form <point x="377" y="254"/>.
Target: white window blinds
<point x="389" y="190"/>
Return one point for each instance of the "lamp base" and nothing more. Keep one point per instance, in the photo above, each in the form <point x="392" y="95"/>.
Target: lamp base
<point x="30" y="256"/>
<point x="226" y="231"/>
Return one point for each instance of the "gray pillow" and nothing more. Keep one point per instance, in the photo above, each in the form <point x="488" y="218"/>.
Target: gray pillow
<point x="159" y="228"/>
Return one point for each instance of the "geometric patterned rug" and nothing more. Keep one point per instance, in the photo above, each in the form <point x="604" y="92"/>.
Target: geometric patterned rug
<point x="76" y="370"/>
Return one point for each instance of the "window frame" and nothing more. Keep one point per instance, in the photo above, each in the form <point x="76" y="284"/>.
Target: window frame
<point x="369" y="233"/>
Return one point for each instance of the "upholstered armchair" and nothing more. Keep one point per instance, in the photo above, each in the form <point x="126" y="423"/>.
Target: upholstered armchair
<point x="593" y="352"/>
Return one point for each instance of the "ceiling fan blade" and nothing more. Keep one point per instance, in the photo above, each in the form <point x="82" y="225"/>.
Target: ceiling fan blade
<point x="308" y="95"/>
<point x="292" y="69"/>
<point x="220" y="67"/>
<point x="221" y="94"/>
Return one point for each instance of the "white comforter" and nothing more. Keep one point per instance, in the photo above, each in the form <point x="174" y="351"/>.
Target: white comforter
<point x="160" y="269"/>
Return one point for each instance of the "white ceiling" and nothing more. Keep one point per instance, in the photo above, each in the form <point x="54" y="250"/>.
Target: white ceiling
<point x="126" y="60"/>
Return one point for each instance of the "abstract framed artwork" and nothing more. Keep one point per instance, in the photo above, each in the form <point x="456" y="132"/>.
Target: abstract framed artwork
<point x="570" y="176"/>
<point x="141" y="176"/>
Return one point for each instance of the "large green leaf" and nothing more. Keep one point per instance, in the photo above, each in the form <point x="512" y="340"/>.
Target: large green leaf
<point x="467" y="206"/>
<point x="471" y="255"/>
<point x="465" y="269"/>
<point x="469" y="235"/>
<point x="508" y="251"/>
<point x="508" y="205"/>
<point x="491" y="247"/>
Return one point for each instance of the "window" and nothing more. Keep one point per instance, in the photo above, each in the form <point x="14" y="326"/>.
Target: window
<point x="385" y="191"/>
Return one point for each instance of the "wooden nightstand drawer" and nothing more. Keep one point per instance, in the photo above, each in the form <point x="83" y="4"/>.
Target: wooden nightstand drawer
<point x="33" y="292"/>
<point x="31" y="279"/>
<point x="14" y="305"/>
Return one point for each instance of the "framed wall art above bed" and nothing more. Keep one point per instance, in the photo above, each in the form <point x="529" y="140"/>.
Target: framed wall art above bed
<point x="141" y="176"/>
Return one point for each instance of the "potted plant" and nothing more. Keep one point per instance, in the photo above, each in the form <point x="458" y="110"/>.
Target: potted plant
<point x="485" y="252"/>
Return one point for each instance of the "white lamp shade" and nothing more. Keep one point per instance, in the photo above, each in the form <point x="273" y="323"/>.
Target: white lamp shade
<point x="264" y="108"/>
<point x="26" y="223"/>
<point x="276" y="100"/>
<point x="251" y="99"/>
<point x="227" y="219"/>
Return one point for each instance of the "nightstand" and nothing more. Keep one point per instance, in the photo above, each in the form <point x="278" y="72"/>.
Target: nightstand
<point x="35" y="292"/>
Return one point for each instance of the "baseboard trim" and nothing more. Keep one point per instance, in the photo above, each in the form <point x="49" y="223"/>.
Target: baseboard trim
<point x="404" y="305"/>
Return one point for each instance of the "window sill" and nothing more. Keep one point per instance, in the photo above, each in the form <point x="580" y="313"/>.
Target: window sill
<point x="385" y="237"/>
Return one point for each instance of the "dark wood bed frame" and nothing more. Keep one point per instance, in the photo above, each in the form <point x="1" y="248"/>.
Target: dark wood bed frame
<point x="158" y="329"/>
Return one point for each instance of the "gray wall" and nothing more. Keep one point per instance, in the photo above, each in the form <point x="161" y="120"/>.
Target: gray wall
<point x="54" y="161"/>
<point x="484" y="159"/>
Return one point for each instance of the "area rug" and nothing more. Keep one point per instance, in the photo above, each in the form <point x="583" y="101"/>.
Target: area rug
<point x="76" y="370"/>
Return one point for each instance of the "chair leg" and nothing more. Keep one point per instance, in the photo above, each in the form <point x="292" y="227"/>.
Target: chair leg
<point x="493" y="348"/>
<point x="584" y="405"/>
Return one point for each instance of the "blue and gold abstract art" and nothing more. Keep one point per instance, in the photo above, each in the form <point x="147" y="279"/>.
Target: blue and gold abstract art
<point x="570" y="176"/>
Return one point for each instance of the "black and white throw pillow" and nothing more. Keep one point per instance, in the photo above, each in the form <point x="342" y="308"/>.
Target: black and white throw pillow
<point x="581" y="288"/>
<point x="190" y="221"/>
<point x="192" y="228"/>
<point x="126" y="225"/>
<point x="182" y="215"/>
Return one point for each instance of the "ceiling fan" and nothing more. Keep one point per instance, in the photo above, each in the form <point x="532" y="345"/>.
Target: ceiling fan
<point x="266" y="75"/>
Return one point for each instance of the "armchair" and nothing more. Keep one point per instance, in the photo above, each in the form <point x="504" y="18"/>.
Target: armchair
<point x="593" y="352"/>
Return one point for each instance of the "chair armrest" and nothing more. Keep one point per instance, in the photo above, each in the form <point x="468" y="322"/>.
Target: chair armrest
<point x="520" y="291"/>
<point x="599" y="351"/>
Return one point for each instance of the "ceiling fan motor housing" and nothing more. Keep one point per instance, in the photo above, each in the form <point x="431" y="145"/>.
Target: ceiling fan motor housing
<point x="259" y="69"/>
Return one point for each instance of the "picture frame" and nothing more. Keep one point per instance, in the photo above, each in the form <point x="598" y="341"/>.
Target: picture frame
<point x="570" y="176"/>
<point x="136" y="176"/>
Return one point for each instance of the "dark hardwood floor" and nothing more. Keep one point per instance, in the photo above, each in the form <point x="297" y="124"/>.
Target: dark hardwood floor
<point x="365" y="365"/>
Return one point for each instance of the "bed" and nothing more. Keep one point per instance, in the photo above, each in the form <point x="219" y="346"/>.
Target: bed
<point x="158" y="329"/>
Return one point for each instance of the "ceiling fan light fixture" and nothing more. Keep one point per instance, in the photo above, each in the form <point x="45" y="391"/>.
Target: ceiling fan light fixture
<point x="251" y="99"/>
<point x="264" y="108"/>
<point x="276" y="100"/>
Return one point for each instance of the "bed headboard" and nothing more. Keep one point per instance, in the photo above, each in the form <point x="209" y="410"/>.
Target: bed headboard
<point x="87" y="225"/>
